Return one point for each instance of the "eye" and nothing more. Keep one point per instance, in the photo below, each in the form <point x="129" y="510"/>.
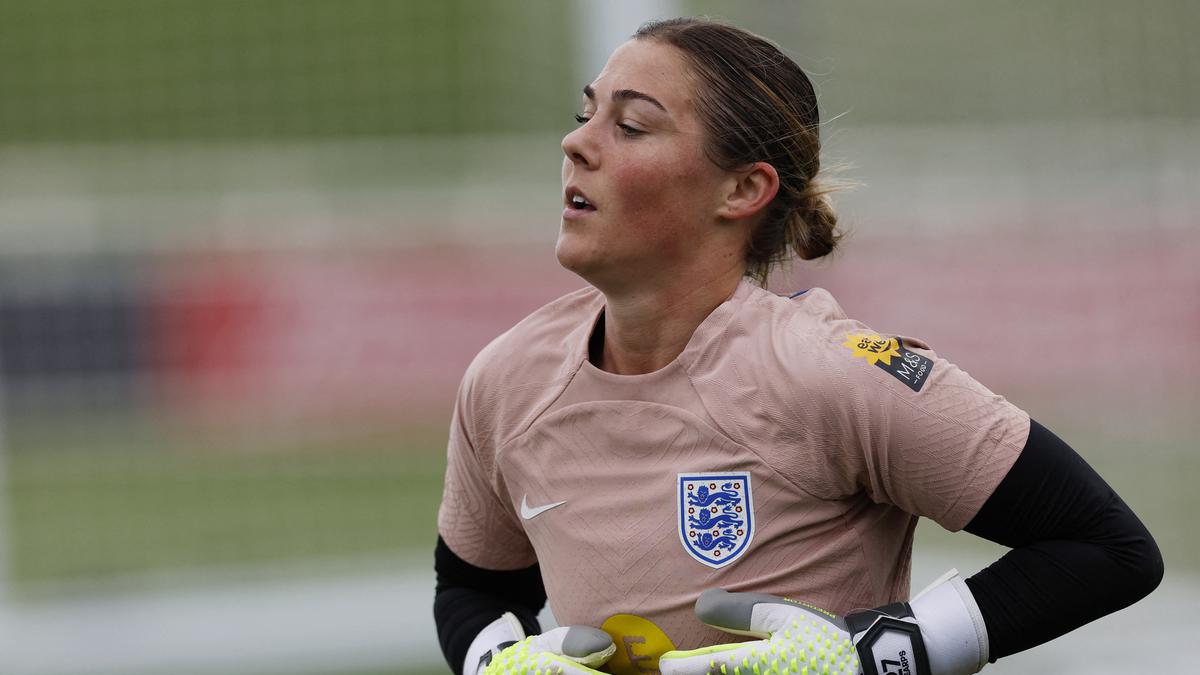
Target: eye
<point x="581" y="119"/>
<point x="630" y="131"/>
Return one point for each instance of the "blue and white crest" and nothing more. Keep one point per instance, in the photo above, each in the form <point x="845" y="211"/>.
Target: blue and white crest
<point x="716" y="516"/>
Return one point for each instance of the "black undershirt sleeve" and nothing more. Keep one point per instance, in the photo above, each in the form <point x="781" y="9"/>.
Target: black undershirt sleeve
<point x="467" y="598"/>
<point x="1078" y="551"/>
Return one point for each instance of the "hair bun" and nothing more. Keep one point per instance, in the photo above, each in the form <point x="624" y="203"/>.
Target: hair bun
<point x="811" y="228"/>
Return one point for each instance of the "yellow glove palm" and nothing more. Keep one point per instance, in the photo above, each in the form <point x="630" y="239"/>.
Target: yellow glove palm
<point x="569" y="650"/>
<point x="795" y="638"/>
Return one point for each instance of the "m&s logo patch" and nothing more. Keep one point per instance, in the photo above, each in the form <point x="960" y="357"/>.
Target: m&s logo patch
<point x="889" y="354"/>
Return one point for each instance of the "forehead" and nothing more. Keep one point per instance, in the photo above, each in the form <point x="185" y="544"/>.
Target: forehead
<point x="650" y="67"/>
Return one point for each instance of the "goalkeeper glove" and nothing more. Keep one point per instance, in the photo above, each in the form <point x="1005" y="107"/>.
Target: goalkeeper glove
<point x="940" y="632"/>
<point x="503" y="648"/>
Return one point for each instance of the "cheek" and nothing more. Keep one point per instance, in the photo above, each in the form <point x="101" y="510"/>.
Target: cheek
<point x="665" y="196"/>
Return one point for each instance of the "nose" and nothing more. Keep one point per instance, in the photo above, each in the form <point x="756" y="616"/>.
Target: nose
<point x="578" y="149"/>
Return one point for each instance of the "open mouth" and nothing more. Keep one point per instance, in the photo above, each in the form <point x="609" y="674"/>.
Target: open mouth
<point x="577" y="200"/>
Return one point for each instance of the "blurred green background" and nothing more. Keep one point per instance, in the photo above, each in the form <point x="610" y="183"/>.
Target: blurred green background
<point x="248" y="247"/>
<point x="147" y="70"/>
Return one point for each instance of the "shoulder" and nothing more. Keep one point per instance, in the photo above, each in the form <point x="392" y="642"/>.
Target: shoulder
<point x="776" y="350"/>
<point x="798" y="327"/>
<point x="807" y="342"/>
<point x="800" y="311"/>
<point x="804" y="344"/>
<point x="538" y="346"/>
<point x="521" y="371"/>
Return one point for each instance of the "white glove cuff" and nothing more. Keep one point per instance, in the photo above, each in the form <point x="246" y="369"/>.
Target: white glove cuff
<point x="952" y="627"/>
<point x="503" y="630"/>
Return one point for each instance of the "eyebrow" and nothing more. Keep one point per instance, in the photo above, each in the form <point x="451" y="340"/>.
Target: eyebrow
<point x="626" y="95"/>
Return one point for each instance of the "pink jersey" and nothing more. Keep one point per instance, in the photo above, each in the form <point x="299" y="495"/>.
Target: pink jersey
<point x="787" y="450"/>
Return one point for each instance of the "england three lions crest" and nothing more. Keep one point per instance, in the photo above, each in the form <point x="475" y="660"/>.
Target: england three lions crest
<point x="716" y="516"/>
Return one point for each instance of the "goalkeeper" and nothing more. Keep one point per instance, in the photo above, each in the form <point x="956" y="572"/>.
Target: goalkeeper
<point x="671" y="451"/>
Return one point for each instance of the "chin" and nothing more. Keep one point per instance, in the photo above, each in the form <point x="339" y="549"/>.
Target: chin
<point x="576" y="256"/>
<point x="569" y="256"/>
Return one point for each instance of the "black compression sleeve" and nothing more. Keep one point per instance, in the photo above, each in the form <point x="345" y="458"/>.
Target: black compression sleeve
<point x="1078" y="551"/>
<point x="467" y="598"/>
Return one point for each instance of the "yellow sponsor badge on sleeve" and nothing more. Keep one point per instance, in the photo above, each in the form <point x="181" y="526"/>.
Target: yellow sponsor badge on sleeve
<point x="890" y="355"/>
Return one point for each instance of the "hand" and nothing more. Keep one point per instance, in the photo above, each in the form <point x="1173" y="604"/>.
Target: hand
<point x="941" y="632"/>
<point x="568" y="650"/>
<point x="796" y="638"/>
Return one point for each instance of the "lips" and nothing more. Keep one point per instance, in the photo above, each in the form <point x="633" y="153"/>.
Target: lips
<point x="576" y="200"/>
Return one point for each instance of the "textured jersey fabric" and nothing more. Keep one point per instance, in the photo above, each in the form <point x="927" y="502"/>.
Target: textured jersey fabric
<point x="842" y="449"/>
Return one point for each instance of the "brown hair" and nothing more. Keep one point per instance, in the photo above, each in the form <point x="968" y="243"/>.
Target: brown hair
<point x="759" y="106"/>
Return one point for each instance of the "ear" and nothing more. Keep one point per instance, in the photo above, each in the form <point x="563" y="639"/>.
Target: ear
<point x="750" y="190"/>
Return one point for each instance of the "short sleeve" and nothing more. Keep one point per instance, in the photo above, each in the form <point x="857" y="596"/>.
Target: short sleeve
<point x="476" y="518"/>
<point x="927" y="437"/>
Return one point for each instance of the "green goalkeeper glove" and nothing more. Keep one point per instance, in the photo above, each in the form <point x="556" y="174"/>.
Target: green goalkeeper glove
<point x="940" y="632"/>
<point x="502" y="648"/>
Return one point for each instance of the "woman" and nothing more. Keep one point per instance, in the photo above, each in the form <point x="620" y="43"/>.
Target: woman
<point x="674" y="428"/>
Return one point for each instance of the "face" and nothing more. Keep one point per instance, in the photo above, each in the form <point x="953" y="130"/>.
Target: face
<point x="638" y="159"/>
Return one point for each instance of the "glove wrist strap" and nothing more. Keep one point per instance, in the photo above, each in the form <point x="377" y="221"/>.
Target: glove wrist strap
<point x="940" y="632"/>
<point x="889" y="641"/>
<point x="953" y="627"/>
<point x="490" y="641"/>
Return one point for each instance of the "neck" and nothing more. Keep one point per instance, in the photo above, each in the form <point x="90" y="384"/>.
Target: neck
<point x="647" y="328"/>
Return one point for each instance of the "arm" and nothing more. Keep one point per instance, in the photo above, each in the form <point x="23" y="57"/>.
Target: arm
<point x="487" y="623"/>
<point x="469" y="598"/>
<point x="968" y="459"/>
<point x="1078" y="551"/>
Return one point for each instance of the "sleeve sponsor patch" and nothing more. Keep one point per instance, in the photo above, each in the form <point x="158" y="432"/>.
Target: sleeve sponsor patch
<point x="887" y="353"/>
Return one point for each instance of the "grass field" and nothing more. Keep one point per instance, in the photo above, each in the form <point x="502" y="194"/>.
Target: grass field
<point x="100" y="512"/>
<point x="272" y="68"/>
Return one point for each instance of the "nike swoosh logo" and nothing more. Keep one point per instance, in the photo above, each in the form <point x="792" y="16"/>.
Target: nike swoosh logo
<point x="528" y="512"/>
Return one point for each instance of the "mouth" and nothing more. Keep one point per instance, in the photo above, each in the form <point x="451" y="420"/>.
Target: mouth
<point x="576" y="200"/>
